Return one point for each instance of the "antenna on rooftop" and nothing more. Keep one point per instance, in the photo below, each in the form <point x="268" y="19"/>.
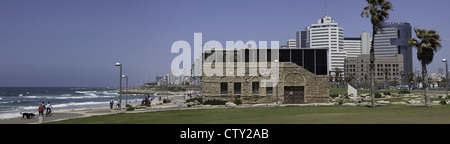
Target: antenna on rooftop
<point x="326" y="8"/>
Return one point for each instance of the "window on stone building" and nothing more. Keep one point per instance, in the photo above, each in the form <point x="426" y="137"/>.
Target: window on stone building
<point x="269" y="88"/>
<point x="224" y="88"/>
<point x="237" y="88"/>
<point x="255" y="87"/>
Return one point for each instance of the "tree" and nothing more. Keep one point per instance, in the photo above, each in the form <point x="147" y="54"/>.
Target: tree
<point x="385" y="71"/>
<point x="337" y="74"/>
<point x="427" y="44"/>
<point x="377" y="10"/>
<point x="402" y="80"/>
<point x="411" y="76"/>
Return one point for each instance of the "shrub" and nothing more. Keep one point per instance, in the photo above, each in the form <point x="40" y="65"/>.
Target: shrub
<point x="387" y="93"/>
<point x="334" y="95"/>
<point x="130" y="109"/>
<point x="377" y="95"/>
<point x="199" y="99"/>
<point x="128" y="105"/>
<point x="404" y="92"/>
<point x="215" y="102"/>
<point x="237" y="102"/>
<point x="166" y="101"/>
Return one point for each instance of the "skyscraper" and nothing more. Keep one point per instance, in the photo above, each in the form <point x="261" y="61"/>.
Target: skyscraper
<point x="394" y="40"/>
<point x="327" y="34"/>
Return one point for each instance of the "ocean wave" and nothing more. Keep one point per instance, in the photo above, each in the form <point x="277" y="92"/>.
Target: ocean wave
<point x="78" y="104"/>
<point x="63" y="105"/>
<point x="67" y="97"/>
<point x="82" y="92"/>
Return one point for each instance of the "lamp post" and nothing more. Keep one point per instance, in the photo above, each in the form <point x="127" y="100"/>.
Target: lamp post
<point x="276" y="81"/>
<point x="120" y="87"/>
<point x="126" y="89"/>
<point x="446" y="80"/>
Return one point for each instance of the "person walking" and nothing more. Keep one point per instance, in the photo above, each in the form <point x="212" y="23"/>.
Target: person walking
<point x="41" y="109"/>
<point x="49" y="109"/>
<point x="111" y="103"/>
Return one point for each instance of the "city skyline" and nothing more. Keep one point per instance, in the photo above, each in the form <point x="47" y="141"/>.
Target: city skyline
<point x="77" y="43"/>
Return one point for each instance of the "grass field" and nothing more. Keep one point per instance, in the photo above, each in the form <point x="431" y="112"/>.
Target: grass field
<point x="340" y="91"/>
<point x="397" y="114"/>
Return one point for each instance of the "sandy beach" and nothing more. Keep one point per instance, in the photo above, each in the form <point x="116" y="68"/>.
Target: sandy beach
<point x="177" y="102"/>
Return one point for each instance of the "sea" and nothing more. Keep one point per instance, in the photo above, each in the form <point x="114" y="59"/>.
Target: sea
<point x="14" y="100"/>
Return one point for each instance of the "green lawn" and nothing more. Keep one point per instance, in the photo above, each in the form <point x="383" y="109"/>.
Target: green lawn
<point x="340" y="91"/>
<point x="280" y="115"/>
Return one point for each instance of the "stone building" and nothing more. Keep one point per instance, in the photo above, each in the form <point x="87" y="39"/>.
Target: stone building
<point x="296" y="85"/>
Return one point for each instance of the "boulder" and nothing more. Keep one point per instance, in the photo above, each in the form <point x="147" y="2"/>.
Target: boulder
<point x="383" y="102"/>
<point x="436" y="102"/>
<point x="190" y="104"/>
<point x="231" y="105"/>
<point x="349" y="104"/>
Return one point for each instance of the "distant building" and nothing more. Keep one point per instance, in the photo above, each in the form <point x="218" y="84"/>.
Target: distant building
<point x="301" y="37"/>
<point x="357" y="46"/>
<point x="326" y="34"/>
<point x="359" y="67"/>
<point x="394" y="40"/>
<point x="291" y="43"/>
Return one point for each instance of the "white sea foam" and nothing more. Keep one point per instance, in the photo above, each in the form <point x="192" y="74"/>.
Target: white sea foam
<point x="9" y="115"/>
<point x="78" y="104"/>
<point x="68" y="97"/>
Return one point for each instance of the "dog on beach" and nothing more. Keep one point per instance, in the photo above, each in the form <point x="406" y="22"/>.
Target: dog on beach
<point x="28" y="115"/>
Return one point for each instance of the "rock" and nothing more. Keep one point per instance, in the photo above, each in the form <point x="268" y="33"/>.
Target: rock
<point x="364" y="104"/>
<point x="411" y="101"/>
<point x="383" y="102"/>
<point x="349" y="104"/>
<point x="436" y="102"/>
<point x="190" y="104"/>
<point x="399" y="103"/>
<point x="231" y="105"/>
<point x="326" y="104"/>
<point x="355" y="99"/>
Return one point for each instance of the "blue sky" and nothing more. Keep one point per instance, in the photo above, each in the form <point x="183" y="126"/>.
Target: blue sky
<point x="77" y="42"/>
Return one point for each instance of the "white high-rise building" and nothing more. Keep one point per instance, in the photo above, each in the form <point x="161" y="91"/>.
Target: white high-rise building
<point x="357" y="46"/>
<point x="327" y="34"/>
<point x="291" y="43"/>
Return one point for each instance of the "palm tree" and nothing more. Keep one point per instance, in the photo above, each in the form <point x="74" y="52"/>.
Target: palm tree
<point x="411" y="76"/>
<point x="385" y="71"/>
<point x="377" y="10"/>
<point x="429" y="44"/>
<point x="402" y="79"/>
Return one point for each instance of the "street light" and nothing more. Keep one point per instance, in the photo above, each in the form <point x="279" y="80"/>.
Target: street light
<point x="120" y="87"/>
<point x="276" y="82"/>
<point x="126" y="89"/>
<point x="446" y="80"/>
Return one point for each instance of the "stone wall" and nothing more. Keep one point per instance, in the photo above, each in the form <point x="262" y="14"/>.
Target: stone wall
<point x="316" y="87"/>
